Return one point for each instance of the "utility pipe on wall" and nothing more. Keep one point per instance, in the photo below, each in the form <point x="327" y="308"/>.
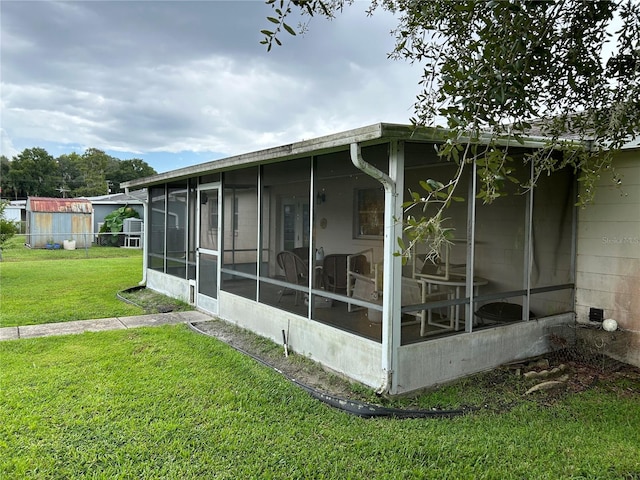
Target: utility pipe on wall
<point x="389" y="281"/>
<point x="145" y="216"/>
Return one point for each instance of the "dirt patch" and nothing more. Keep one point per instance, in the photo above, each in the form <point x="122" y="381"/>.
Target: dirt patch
<point x="570" y="371"/>
<point x="152" y="302"/>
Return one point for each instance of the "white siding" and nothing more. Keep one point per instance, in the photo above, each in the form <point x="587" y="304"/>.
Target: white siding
<point x="608" y="261"/>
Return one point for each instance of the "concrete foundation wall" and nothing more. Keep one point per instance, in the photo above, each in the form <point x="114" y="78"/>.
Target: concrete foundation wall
<point x="168" y="285"/>
<point x="442" y="360"/>
<point x="608" y="253"/>
<point x="343" y="352"/>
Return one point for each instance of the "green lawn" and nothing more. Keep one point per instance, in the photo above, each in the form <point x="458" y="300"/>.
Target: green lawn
<point x="46" y="286"/>
<point x="169" y="403"/>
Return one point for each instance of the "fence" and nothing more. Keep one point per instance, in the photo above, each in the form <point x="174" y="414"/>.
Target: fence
<point x="75" y="240"/>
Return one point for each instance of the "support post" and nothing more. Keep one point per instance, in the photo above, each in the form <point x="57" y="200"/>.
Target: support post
<point x="471" y="246"/>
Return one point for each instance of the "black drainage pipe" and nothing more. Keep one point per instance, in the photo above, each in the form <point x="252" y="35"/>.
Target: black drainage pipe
<point x="360" y="409"/>
<point x="127" y="290"/>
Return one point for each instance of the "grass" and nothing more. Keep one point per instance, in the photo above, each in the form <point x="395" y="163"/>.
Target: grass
<point x="46" y="286"/>
<point x="168" y="403"/>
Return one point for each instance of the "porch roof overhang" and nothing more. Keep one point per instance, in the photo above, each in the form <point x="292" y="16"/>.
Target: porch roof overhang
<point x="369" y="135"/>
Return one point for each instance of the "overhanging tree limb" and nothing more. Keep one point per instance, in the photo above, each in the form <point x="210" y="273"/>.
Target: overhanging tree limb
<point x="511" y="69"/>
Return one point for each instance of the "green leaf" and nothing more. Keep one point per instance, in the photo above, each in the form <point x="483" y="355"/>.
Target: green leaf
<point x="426" y="186"/>
<point x="455" y="155"/>
<point x="289" y="29"/>
<point x="273" y="20"/>
<point x="436" y="185"/>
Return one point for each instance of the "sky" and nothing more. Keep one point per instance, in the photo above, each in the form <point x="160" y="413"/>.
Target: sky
<point x="177" y="83"/>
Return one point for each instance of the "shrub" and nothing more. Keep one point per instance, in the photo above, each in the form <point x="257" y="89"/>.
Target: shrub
<point x="113" y="225"/>
<point x="8" y="228"/>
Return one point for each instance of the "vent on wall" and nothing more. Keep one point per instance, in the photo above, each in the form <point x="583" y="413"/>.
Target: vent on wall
<point x="192" y="292"/>
<point x="596" y="314"/>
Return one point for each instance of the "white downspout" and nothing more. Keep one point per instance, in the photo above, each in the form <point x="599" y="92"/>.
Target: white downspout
<point x="145" y="239"/>
<point x="145" y="207"/>
<point x="389" y="292"/>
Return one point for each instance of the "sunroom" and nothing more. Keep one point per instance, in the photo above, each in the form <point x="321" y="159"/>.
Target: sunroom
<point x="300" y="242"/>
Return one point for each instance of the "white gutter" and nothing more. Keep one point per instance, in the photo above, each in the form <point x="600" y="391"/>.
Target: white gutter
<point x="388" y="269"/>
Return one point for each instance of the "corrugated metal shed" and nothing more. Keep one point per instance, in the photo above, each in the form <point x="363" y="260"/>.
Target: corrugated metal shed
<point x="58" y="219"/>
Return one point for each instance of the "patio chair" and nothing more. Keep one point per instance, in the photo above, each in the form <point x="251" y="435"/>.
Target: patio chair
<point x="361" y="266"/>
<point x="413" y="293"/>
<point x="336" y="270"/>
<point x="303" y="253"/>
<point x="295" y="272"/>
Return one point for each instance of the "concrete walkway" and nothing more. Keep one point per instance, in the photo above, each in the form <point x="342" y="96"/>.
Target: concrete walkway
<point x="101" y="324"/>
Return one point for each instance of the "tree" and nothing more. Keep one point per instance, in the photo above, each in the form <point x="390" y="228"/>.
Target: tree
<point x="93" y="166"/>
<point x="502" y="70"/>
<point x="34" y="172"/>
<point x="70" y="174"/>
<point x="125" y="170"/>
<point x="6" y="187"/>
<point x="8" y="228"/>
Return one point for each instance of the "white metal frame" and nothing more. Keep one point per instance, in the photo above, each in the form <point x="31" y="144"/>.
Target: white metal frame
<point x="204" y="301"/>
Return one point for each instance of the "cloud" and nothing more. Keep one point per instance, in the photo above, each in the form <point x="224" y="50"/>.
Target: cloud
<point x="178" y="77"/>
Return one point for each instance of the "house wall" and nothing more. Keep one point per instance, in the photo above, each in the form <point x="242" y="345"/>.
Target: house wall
<point x="338" y="211"/>
<point x="443" y="360"/>
<point x="13" y="213"/>
<point x="608" y="251"/>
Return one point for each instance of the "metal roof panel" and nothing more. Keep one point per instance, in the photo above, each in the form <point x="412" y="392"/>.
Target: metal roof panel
<point x="59" y="205"/>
